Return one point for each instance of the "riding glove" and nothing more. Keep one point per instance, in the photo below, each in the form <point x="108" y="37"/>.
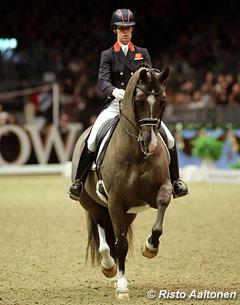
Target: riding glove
<point x="118" y="93"/>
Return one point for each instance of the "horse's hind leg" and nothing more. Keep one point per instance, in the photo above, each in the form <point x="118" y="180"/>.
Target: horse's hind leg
<point x="101" y="236"/>
<point x="151" y="246"/>
<point x="108" y="265"/>
<point x="121" y="225"/>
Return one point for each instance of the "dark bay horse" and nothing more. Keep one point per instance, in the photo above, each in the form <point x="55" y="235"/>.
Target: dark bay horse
<point x="135" y="172"/>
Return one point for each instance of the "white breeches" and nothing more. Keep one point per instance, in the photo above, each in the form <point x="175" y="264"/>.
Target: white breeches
<point x="170" y="138"/>
<point x="109" y="113"/>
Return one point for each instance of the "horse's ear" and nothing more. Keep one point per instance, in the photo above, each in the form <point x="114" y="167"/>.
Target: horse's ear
<point x="164" y="74"/>
<point x="143" y="74"/>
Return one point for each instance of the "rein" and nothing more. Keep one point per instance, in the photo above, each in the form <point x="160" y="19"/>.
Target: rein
<point x="153" y="92"/>
<point x="154" y="122"/>
<point x="122" y="114"/>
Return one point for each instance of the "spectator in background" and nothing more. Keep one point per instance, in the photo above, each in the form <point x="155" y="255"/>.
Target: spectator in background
<point x="191" y="49"/>
<point x="6" y="117"/>
<point x="78" y="106"/>
<point x="44" y="106"/>
<point x="64" y="120"/>
<point x="207" y="97"/>
<point x="234" y="96"/>
<point x="68" y="85"/>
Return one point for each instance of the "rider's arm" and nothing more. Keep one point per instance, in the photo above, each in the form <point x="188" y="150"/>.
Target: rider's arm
<point x="105" y="74"/>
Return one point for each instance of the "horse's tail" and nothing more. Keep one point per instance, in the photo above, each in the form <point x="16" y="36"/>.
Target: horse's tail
<point x="93" y="238"/>
<point x="130" y="238"/>
<point x="93" y="241"/>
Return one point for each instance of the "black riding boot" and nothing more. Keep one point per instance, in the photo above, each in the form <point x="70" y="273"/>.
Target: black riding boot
<point x="179" y="187"/>
<point x="84" y="165"/>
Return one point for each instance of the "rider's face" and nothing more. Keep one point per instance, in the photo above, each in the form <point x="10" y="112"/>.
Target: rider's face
<point x="124" y="34"/>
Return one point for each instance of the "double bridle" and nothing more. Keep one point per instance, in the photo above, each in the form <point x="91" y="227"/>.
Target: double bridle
<point x="149" y="121"/>
<point x="153" y="122"/>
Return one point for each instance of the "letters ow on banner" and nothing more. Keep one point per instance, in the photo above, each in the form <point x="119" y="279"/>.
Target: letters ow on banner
<point x="29" y="138"/>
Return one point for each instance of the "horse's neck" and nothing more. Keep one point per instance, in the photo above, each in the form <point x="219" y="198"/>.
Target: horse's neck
<point x="124" y="153"/>
<point x="127" y="138"/>
<point x="128" y="127"/>
<point x="128" y="146"/>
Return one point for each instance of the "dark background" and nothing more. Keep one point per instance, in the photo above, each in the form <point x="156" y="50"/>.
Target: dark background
<point x="202" y="31"/>
<point x="66" y="39"/>
<point x="62" y="42"/>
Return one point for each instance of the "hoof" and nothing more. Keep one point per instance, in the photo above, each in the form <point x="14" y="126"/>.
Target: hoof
<point x="111" y="272"/>
<point x="122" y="294"/>
<point x="149" y="253"/>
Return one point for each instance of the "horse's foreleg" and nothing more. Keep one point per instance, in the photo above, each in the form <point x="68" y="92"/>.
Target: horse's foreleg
<point x="109" y="268"/>
<point x="151" y="246"/>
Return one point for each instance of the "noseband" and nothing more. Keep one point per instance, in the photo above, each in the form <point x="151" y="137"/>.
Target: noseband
<point x="148" y="122"/>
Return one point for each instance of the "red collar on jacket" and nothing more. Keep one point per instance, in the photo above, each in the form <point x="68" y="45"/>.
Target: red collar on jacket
<point x="117" y="47"/>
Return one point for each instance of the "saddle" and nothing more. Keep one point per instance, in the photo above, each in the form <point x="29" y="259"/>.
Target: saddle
<point x="107" y="128"/>
<point x="102" y="140"/>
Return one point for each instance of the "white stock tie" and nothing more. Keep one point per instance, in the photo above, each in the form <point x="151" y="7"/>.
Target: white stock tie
<point x="125" y="49"/>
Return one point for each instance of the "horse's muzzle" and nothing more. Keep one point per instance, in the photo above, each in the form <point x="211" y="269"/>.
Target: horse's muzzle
<point x="148" y="140"/>
<point x="153" y="143"/>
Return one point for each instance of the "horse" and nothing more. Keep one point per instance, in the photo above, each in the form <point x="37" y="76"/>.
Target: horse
<point x="135" y="171"/>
